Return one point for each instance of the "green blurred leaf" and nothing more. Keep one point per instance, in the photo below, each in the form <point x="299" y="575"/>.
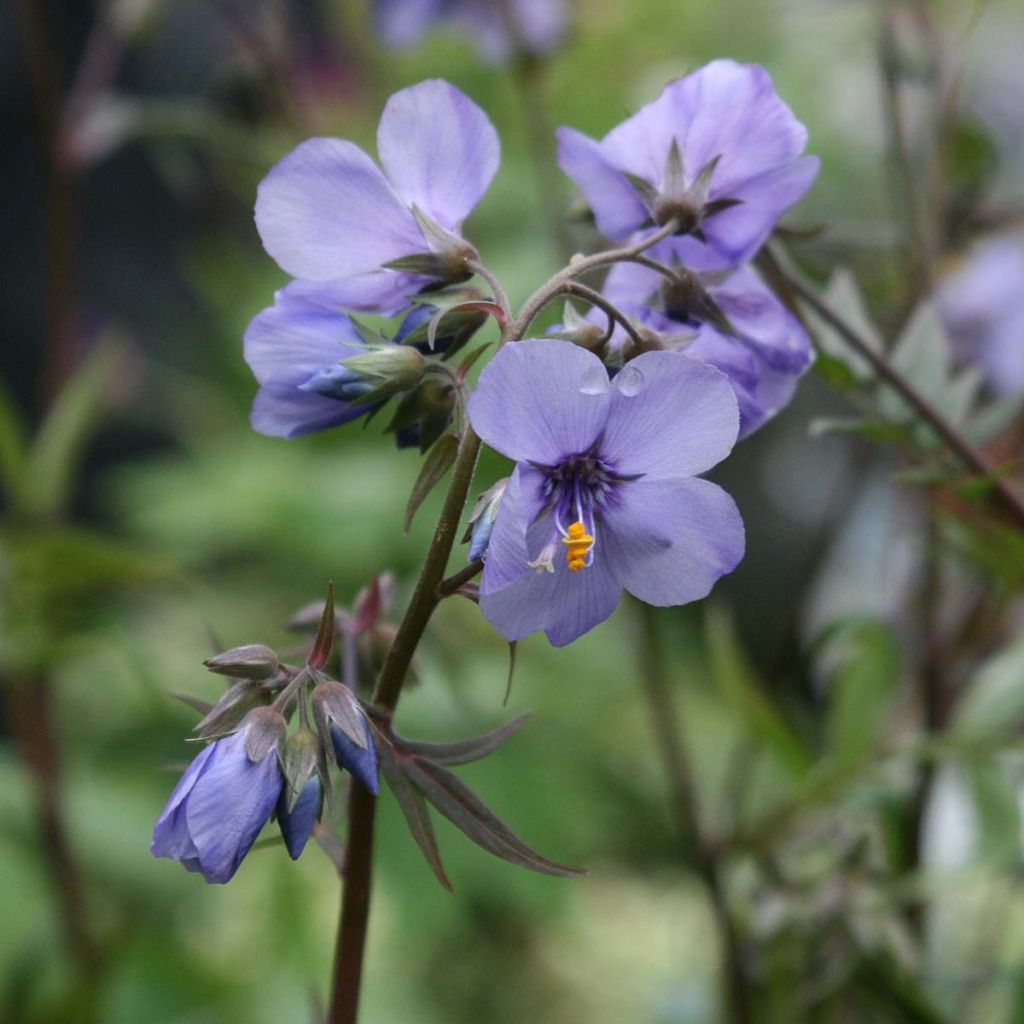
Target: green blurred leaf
<point x="864" y="660"/>
<point x="992" y="705"/>
<point x="742" y="691"/>
<point x="13" y="455"/>
<point x="435" y="466"/>
<point x="53" y="460"/>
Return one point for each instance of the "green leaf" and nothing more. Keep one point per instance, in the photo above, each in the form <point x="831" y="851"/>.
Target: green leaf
<point x="844" y="296"/>
<point x="992" y="706"/>
<point x="741" y="690"/>
<point x="464" y="809"/>
<point x="435" y="466"/>
<point x="13" y="455"/>
<point x="863" y="657"/>
<point x="468" y="750"/>
<point x="54" y="456"/>
<point x="414" y="809"/>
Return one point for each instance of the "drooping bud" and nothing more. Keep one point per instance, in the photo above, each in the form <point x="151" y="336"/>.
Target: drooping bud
<point x="264" y="731"/>
<point x="423" y="415"/>
<point x="649" y="341"/>
<point x="481" y="519"/>
<point x="686" y="298"/>
<point x="298" y="806"/>
<point x="252" y="661"/>
<point x="583" y="332"/>
<point x="387" y="370"/>
<point x="225" y="716"/>
<point x="343" y="727"/>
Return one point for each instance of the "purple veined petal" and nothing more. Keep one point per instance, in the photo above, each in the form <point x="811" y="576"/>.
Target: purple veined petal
<point x="735" y="235"/>
<point x="541" y="401"/>
<point x="617" y="207"/>
<point x="230" y="805"/>
<point x="732" y="110"/>
<point x="439" y="149"/>
<point x="669" y="541"/>
<point x="670" y="415"/>
<point x="641" y="143"/>
<point x="298" y="333"/>
<point x="763" y="322"/>
<point x="402" y="23"/>
<point x="282" y="409"/>
<point x="326" y="211"/>
<point x="385" y="292"/>
<point x="170" y="834"/>
<point x="516" y="599"/>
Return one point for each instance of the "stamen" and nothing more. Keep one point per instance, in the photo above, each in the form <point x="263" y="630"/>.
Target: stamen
<point x="578" y="544"/>
<point x="544" y="562"/>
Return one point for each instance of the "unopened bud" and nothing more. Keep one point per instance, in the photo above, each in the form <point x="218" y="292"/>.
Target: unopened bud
<point x="299" y="760"/>
<point x="482" y="519"/>
<point x="264" y="730"/>
<point x="253" y="661"/>
<point x="387" y="370"/>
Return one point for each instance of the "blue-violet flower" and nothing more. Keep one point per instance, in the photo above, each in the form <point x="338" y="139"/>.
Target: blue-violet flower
<point x="604" y="495"/>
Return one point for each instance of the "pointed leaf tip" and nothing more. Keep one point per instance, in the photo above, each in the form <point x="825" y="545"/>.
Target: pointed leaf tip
<point x="321" y="652"/>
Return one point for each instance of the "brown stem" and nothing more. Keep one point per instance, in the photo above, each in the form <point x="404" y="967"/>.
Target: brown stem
<point x="355" y="908"/>
<point x="31" y="708"/>
<point x="974" y="459"/>
<point x="615" y="316"/>
<point x="449" y="586"/>
<point x="657" y="689"/>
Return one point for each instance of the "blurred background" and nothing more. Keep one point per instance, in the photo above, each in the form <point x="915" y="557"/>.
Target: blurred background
<point x="866" y="836"/>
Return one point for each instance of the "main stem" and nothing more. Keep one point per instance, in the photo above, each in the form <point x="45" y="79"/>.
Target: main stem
<point x="657" y="690"/>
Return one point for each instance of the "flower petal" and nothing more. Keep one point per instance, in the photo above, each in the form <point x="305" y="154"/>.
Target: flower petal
<point x="617" y="208"/>
<point x="326" y="211"/>
<point x="670" y="541"/>
<point x="297" y="824"/>
<point x="670" y="416"/>
<point x="229" y="806"/>
<point x="402" y="23"/>
<point x="516" y="599"/>
<point x="541" y="401"/>
<point x="360" y="761"/>
<point x="170" y="834"/>
<point x="282" y="409"/>
<point x="439" y="149"/>
<point x="298" y="333"/>
<point x="386" y="292"/>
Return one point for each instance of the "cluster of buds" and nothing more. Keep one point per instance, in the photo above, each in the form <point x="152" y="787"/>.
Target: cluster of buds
<point x="255" y="766"/>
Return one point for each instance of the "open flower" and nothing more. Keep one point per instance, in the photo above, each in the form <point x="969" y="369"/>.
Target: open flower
<point x="524" y="26"/>
<point x="981" y="303"/>
<point x="604" y="495"/>
<point x="718" y="151"/>
<point x="327" y="213"/>
<point x="224" y="799"/>
<point x="735" y="324"/>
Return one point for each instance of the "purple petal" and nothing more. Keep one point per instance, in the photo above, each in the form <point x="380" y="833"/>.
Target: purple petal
<point x="298" y="333"/>
<point x="670" y="416"/>
<point x="386" y="292"/>
<point x="170" y="834"/>
<point x="229" y="806"/>
<point x="326" y="211"/>
<point x="540" y="401"/>
<point x="360" y="761"/>
<point x="439" y="149"/>
<point x="282" y="409"/>
<point x="670" y="541"/>
<point x="518" y="600"/>
<point x="297" y="824"/>
<point x="402" y="23"/>
<point x="617" y="208"/>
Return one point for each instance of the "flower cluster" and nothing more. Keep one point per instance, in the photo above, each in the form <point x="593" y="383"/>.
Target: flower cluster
<point x="595" y="505"/>
<point x="251" y="768"/>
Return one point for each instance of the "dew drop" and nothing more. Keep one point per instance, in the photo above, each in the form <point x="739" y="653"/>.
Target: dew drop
<point x="595" y="381"/>
<point x="629" y="380"/>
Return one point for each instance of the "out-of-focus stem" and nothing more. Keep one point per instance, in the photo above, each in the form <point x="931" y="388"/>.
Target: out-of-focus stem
<point x="658" y="693"/>
<point x="31" y="709"/>
<point x="973" y="458"/>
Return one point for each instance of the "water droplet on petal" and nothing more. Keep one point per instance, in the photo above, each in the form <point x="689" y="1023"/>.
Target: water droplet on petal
<point x="629" y="380"/>
<point x="595" y="381"/>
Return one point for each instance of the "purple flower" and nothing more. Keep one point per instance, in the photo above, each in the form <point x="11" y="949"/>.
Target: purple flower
<point x="297" y="824"/>
<point x="765" y="359"/>
<point x="222" y="801"/>
<point x="360" y="761"/>
<point x="526" y="26"/>
<point x="294" y="348"/>
<point x="327" y="213"/>
<point x="982" y="303"/>
<point x="604" y="496"/>
<point x="718" y="150"/>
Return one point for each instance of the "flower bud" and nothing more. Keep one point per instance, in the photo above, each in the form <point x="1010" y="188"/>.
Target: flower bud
<point x="423" y="415"/>
<point x="237" y="701"/>
<point x="342" y="725"/>
<point x="482" y="518"/>
<point x="253" y="661"/>
<point x="387" y="370"/>
<point x="264" y="730"/>
<point x="581" y="331"/>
